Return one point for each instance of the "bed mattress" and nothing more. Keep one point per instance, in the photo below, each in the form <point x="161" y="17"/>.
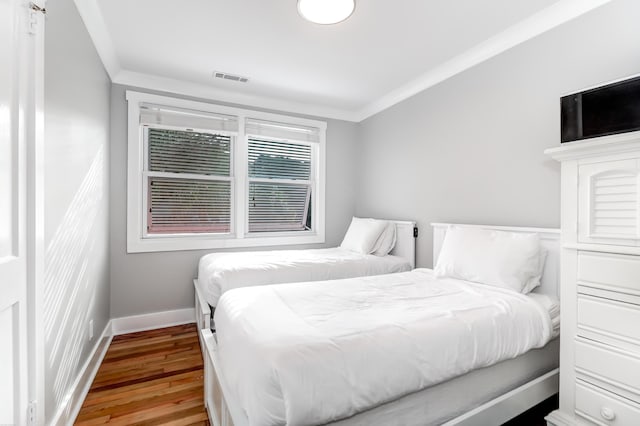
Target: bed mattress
<point x="315" y="353"/>
<point x="220" y="272"/>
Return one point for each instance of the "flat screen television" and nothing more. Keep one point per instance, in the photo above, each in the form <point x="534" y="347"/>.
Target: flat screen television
<point x="606" y="110"/>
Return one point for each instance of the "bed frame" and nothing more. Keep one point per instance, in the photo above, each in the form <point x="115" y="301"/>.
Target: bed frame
<point x="406" y="233"/>
<point x="225" y="411"/>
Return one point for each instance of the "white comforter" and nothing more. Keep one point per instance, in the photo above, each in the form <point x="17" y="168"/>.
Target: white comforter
<point x="219" y="272"/>
<point x="307" y="354"/>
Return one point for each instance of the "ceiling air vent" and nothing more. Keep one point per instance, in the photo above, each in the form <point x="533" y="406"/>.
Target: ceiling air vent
<point x="232" y="77"/>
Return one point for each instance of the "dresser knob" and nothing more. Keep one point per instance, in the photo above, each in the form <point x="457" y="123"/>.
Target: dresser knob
<point x="607" y="413"/>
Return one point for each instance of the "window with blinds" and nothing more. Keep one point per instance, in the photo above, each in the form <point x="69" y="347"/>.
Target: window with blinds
<point x="204" y="176"/>
<point x="188" y="181"/>
<point x="280" y="185"/>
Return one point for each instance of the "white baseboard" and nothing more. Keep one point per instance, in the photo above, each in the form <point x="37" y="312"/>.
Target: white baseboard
<point x="71" y="404"/>
<point x="152" y="321"/>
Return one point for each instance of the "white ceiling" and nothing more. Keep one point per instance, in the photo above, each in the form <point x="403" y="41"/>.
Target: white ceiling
<point x="387" y="51"/>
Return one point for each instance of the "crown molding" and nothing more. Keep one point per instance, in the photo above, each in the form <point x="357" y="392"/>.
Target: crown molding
<point x="203" y="91"/>
<point x="95" y="25"/>
<point x="555" y="15"/>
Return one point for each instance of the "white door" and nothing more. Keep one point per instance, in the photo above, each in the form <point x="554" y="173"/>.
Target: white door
<point x="15" y="90"/>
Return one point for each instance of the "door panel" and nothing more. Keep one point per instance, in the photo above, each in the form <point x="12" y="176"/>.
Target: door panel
<point x="7" y="128"/>
<point x="6" y="367"/>
<point x="13" y="213"/>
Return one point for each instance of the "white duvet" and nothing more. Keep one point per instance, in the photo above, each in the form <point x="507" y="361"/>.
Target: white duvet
<point x="219" y="272"/>
<point x="311" y="353"/>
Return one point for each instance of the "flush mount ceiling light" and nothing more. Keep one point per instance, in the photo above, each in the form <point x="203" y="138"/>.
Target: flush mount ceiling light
<point x="326" y="12"/>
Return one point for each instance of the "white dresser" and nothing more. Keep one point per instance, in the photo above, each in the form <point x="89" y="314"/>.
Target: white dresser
<point x="600" y="282"/>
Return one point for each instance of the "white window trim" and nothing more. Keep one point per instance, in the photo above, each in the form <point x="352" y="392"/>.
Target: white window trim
<point x="137" y="239"/>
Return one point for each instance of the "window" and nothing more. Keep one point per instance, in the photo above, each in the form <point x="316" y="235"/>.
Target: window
<point x="206" y="176"/>
<point x="280" y="175"/>
<point x="188" y="179"/>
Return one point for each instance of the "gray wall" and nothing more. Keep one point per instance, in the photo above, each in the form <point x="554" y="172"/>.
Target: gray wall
<point x="470" y="150"/>
<point x="77" y="91"/>
<point x="152" y="282"/>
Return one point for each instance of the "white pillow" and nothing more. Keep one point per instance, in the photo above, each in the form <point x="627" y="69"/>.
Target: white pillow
<point x="362" y="235"/>
<point x="502" y="259"/>
<point x="535" y="280"/>
<point x="386" y="241"/>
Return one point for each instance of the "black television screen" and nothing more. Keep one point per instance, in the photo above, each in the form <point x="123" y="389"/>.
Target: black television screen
<point x="606" y="110"/>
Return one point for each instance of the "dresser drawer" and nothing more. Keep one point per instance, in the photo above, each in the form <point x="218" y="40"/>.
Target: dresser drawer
<point x="607" y="367"/>
<point x="610" y="322"/>
<point x="604" y="408"/>
<point x="615" y="272"/>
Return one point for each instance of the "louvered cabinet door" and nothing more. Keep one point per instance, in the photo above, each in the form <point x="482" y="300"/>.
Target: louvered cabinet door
<point x="609" y="202"/>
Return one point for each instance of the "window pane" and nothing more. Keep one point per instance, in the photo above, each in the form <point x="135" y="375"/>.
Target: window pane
<point x="279" y="160"/>
<point x="174" y="151"/>
<point x="279" y="207"/>
<point x="189" y="205"/>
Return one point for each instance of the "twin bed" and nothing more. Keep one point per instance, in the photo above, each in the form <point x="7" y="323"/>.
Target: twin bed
<point x="402" y="348"/>
<point x="220" y="272"/>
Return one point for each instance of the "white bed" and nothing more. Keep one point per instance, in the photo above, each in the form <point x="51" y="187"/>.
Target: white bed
<point x="220" y="272"/>
<point x="355" y="388"/>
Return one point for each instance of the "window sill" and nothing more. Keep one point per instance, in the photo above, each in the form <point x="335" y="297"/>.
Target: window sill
<point x="160" y="244"/>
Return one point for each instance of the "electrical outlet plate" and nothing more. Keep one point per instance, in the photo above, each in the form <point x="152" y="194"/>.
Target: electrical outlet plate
<point x="32" y="413"/>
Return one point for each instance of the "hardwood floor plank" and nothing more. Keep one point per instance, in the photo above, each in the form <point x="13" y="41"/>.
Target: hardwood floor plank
<point x="129" y="372"/>
<point x="188" y="416"/>
<point x="94" y="421"/>
<point x="178" y="378"/>
<point x="150" y="414"/>
<point x="143" y="378"/>
<point x="140" y="345"/>
<point x="115" y="406"/>
<point x="118" y="409"/>
<point x="149" y="378"/>
<point x="142" y="356"/>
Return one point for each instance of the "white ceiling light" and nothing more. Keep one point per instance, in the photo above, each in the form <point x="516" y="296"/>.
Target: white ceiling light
<point x="326" y="12"/>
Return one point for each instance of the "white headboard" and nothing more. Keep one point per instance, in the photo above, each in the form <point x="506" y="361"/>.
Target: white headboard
<point x="549" y="239"/>
<point x="405" y="241"/>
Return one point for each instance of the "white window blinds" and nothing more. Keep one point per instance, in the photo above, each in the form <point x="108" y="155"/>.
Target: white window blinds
<point x="280" y="185"/>
<point x="274" y="130"/>
<point x="188" y="181"/>
<point x="169" y="117"/>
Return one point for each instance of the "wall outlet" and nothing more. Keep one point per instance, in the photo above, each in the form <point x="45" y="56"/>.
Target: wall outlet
<point x="32" y="413"/>
<point x="91" y="330"/>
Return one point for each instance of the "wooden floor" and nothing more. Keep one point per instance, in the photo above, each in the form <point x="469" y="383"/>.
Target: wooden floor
<point x="149" y="378"/>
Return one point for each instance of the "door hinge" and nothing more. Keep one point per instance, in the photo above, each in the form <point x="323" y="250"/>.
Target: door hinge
<point x="32" y="413"/>
<point x="34" y="11"/>
<point x="35" y="8"/>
